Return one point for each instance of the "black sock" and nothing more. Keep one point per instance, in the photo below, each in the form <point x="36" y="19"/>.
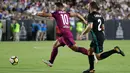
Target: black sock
<point x="91" y="61"/>
<point x="107" y="54"/>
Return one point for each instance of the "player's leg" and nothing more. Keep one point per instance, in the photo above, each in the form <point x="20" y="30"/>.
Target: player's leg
<point x="55" y="50"/>
<point x="72" y="45"/>
<point x="79" y="49"/>
<point x="59" y="42"/>
<point x="102" y="55"/>
<point x="106" y="54"/>
<point x="91" y="59"/>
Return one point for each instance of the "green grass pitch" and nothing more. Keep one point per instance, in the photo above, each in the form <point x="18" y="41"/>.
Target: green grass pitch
<point x="30" y="56"/>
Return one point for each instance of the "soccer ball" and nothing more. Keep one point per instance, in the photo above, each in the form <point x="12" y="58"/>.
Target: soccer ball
<point x="13" y="60"/>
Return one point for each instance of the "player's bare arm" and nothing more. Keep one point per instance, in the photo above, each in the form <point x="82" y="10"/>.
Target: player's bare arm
<point x="79" y="16"/>
<point x="87" y="29"/>
<point x="44" y="14"/>
<point x="103" y="27"/>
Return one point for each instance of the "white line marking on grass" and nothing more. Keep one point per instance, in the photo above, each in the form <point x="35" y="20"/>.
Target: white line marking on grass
<point x="63" y="70"/>
<point x="38" y="47"/>
<point x="35" y="70"/>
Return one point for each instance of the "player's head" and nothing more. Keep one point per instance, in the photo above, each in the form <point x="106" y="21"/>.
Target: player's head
<point x="93" y="6"/>
<point x="59" y="6"/>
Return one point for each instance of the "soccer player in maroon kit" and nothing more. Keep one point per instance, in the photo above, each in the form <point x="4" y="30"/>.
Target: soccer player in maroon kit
<point x="62" y="19"/>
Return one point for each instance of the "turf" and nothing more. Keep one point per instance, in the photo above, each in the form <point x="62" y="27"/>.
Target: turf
<point x="30" y="56"/>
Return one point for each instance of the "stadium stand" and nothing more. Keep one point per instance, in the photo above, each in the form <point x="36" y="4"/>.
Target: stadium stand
<point x="111" y="9"/>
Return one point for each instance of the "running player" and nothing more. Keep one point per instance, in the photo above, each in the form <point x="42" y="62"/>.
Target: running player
<point x="62" y="19"/>
<point x="96" y="27"/>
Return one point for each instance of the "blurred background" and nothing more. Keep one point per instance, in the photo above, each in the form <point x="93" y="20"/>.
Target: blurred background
<point x="17" y="22"/>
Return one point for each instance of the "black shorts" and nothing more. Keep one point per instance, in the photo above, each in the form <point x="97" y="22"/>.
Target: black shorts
<point x="97" y="46"/>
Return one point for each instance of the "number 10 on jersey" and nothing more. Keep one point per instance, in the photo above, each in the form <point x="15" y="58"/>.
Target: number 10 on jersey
<point x="65" y="19"/>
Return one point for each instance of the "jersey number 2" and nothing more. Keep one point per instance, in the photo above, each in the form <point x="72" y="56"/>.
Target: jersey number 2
<point x="65" y="19"/>
<point x="99" y="25"/>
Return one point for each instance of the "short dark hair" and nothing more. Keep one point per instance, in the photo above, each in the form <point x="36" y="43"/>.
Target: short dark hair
<point x="59" y="4"/>
<point x="94" y="5"/>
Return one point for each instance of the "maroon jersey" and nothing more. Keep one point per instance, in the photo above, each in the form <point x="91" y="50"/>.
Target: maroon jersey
<point x="62" y="20"/>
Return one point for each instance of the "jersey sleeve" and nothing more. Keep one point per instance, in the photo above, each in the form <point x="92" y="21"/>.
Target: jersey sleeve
<point x="68" y="14"/>
<point x="90" y="19"/>
<point x="54" y="14"/>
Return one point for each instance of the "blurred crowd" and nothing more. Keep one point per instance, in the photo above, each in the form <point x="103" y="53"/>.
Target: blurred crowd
<point x="115" y="9"/>
<point x="24" y="10"/>
<point x="12" y="9"/>
<point x="110" y="9"/>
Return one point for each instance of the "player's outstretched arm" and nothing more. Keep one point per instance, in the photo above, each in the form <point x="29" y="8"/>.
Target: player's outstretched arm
<point x="79" y="16"/>
<point x="87" y="29"/>
<point x="44" y="14"/>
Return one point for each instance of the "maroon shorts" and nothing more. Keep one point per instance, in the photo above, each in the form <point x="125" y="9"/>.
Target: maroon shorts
<point x="66" y="41"/>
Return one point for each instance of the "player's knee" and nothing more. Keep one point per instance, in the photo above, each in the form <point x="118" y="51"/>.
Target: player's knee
<point x="90" y="52"/>
<point x="56" y="44"/>
<point x="98" y="56"/>
<point x="74" y="48"/>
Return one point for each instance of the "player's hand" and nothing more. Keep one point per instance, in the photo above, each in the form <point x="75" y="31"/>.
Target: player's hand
<point x="81" y="36"/>
<point x="85" y="22"/>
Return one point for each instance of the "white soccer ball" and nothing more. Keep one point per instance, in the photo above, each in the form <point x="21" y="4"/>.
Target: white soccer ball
<point x="13" y="60"/>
